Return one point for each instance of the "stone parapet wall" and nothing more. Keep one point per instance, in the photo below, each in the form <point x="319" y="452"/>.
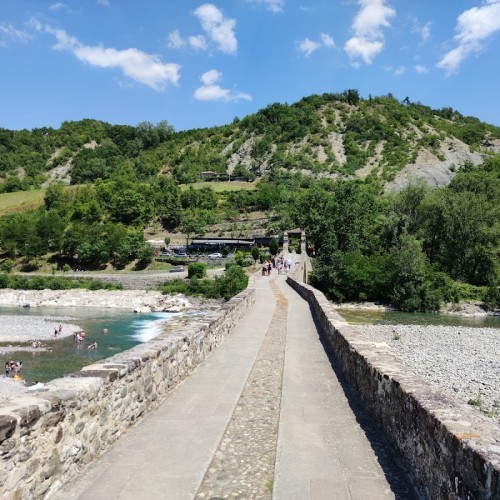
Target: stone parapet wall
<point x="450" y="450"/>
<point x="48" y="435"/>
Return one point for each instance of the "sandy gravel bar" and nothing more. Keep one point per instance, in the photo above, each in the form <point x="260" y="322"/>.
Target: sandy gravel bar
<point x="462" y="361"/>
<point x="21" y="329"/>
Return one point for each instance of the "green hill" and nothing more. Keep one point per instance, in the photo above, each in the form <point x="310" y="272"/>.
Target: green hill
<point x="332" y="135"/>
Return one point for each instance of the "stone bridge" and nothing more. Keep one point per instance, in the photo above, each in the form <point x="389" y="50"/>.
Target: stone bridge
<point x="275" y="397"/>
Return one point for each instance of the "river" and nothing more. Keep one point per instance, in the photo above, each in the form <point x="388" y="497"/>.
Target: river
<point x="125" y="330"/>
<point x="372" y="317"/>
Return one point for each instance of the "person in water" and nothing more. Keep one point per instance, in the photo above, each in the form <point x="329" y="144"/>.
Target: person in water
<point x="93" y="346"/>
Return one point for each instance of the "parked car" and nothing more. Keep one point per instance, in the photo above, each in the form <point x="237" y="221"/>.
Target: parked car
<point x="181" y="254"/>
<point x="177" y="269"/>
<point x="215" y="256"/>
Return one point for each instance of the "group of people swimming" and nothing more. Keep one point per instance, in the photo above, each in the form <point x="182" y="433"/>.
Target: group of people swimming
<point x="281" y="264"/>
<point x="13" y="369"/>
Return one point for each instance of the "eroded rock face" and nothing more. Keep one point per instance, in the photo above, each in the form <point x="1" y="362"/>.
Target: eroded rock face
<point x="46" y="435"/>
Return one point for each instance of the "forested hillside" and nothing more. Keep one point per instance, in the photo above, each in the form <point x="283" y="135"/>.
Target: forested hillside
<point x="333" y="135"/>
<point x="343" y="168"/>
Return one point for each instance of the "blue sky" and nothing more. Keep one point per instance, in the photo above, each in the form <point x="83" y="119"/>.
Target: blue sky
<point x="199" y="64"/>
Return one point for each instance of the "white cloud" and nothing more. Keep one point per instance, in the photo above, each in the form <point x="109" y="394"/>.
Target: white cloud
<point x="307" y="47"/>
<point x="137" y="65"/>
<point x="272" y="5"/>
<point x="58" y="6"/>
<point x="399" y="70"/>
<point x="175" y="41"/>
<point x="327" y="40"/>
<point x="210" y="91"/>
<point x="10" y="34"/>
<point x="211" y="77"/>
<point x="424" y="31"/>
<point x="420" y="69"/>
<point x="218" y="28"/>
<point x="198" y="42"/>
<point x="360" y="47"/>
<point x="103" y="2"/>
<point x="368" y="39"/>
<point x="474" y="27"/>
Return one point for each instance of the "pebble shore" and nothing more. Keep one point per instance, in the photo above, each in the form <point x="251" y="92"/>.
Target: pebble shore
<point x="462" y="361"/>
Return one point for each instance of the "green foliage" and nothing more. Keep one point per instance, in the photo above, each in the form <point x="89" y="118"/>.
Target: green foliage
<point x="255" y="253"/>
<point x="234" y="281"/>
<point x="274" y="247"/>
<point x="197" y="270"/>
<point x="6" y="266"/>
<point x="17" y="282"/>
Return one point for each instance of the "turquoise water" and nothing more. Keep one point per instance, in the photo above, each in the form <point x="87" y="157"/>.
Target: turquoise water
<point x="401" y="318"/>
<point x="125" y="330"/>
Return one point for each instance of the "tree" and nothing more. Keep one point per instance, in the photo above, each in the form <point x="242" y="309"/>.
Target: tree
<point x="255" y="253"/>
<point x="191" y="224"/>
<point x="273" y="247"/>
<point x="407" y="264"/>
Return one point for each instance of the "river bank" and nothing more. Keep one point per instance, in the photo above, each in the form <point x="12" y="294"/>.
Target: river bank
<point x="135" y="300"/>
<point x="465" y="308"/>
<point x="462" y="361"/>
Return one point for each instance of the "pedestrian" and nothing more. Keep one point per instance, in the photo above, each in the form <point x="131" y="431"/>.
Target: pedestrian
<point x="60" y="329"/>
<point x="7" y="369"/>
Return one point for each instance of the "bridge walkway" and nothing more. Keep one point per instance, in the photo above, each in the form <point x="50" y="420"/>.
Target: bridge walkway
<point x="265" y="416"/>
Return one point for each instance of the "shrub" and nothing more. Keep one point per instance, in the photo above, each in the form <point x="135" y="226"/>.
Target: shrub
<point x="6" y="266"/>
<point x="197" y="270"/>
<point x="234" y="281"/>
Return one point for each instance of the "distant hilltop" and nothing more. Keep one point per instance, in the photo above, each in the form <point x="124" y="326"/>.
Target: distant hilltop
<point x="379" y="139"/>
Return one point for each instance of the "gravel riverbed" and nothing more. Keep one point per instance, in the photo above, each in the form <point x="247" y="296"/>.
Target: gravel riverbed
<point x="462" y="361"/>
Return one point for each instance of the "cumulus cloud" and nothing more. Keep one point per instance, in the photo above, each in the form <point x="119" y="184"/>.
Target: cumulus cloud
<point x="327" y="40"/>
<point x="103" y="2"/>
<point x="198" y="42"/>
<point x="58" y="6"/>
<point x="307" y="46"/>
<point x="8" y="33"/>
<point x="175" y="41"/>
<point x="474" y="27"/>
<point x="211" y="91"/>
<point x="217" y="27"/>
<point x="424" y="31"/>
<point x="272" y="5"/>
<point x="368" y="39"/>
<point x="144" y="68"/>
<point x="420" y="69"/>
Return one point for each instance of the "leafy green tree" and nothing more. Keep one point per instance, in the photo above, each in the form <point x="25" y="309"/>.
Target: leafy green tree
<point x="407" y="266"/>
<point x="191" y="224"/>
<point x="255" y="253"/>
<point x="197" y="270"/>
<point x="273" y="247"/>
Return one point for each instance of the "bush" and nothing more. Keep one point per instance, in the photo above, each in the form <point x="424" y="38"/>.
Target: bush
<point x="6" y="266"/>
<point x="197" y="270"/>
<point x="234" y="281"/>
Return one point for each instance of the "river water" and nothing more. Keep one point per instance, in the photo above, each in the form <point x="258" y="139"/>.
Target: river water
<point x="125" y="330"/>
<point x="371" y="317"/>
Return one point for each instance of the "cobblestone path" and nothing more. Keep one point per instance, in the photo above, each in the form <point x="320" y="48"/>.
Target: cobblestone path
<point x="243" y="465"/>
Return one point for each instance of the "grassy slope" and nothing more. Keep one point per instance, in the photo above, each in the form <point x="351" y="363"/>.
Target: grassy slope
<point x="21" y="201"/>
